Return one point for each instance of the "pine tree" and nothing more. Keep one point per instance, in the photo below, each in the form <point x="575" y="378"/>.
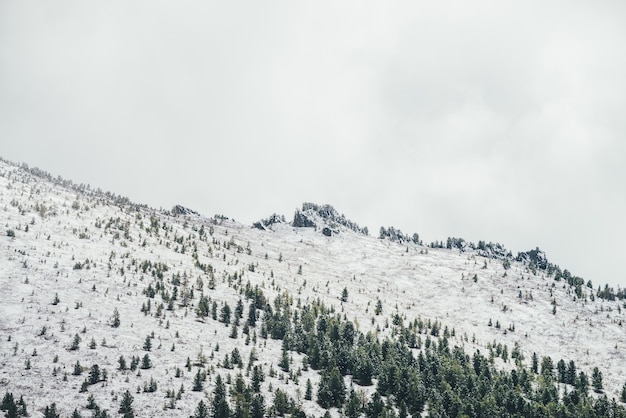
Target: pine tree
<point x="145" y="362"/>
<point x="122" y="363"/>
<point x="147" y="345"/>
<point x="220" y="408"/>
<point x="353" y="407"/>
<point x="75" y="342"/>
<point x="233" y="331"/>
<point x="115" y="323"/>
<point x="535" y="363"/>
<point x="94" y="374"/>
<point x="622" y="397"/>
<point x="308" y="394"/>
<point x="252" y="315"/>
<point x="257" y="407"/>
<point x="344" y="295"/>
<point x="51" y="411"/>
<point x="8" y="405"/>
<point x="126" y="405"/>
<point x="225" y="314"/>
<point x="198" y="381"/>
<point x="596" y="380"/>
<point x="257" y="378"/>
<point x="281" y="402"/>
<point x="201" y="410"/>
<point x="284" y="361"/>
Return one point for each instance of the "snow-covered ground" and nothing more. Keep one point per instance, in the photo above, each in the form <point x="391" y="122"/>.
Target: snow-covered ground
<point x="58" y="229"/>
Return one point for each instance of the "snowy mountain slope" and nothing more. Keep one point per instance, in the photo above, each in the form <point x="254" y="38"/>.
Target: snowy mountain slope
<point x="71" y="257"/>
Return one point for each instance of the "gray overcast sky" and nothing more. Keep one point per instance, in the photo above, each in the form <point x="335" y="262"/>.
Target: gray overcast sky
<point x="494" y="120"/>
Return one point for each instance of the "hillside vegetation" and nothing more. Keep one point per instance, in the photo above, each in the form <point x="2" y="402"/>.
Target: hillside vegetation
<point x="110" y="308"/>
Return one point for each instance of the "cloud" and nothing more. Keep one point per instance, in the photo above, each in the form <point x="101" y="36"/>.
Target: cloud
<point x="491" y="120"/>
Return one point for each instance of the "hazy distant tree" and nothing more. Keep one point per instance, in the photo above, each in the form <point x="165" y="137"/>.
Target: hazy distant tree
<point x="122" y="363"/>
<point x="115" y="321"/>
<point x="344" y="295"/>
<point x="379" y="307"/>
<point x="623" y="394"/>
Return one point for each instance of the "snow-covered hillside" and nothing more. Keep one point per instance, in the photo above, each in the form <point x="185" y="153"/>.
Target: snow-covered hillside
<point x="73" y="259"/>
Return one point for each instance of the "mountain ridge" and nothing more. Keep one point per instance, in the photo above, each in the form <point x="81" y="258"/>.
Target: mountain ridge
<point x="75" y="256"/>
